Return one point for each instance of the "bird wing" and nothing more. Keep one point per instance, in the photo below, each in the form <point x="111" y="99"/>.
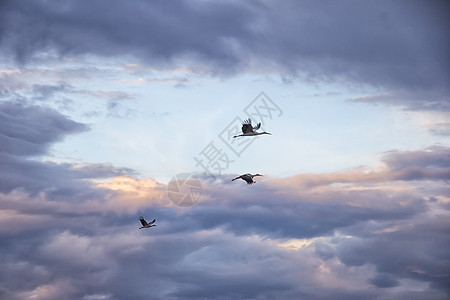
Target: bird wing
<point x="246" y="128"/>
<point x="257" y="126"/>
<point x="152" y="221"/>
<point x="143" y="222"/>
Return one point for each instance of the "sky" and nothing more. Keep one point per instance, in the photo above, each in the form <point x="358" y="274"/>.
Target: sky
<point x="107" y="107"/>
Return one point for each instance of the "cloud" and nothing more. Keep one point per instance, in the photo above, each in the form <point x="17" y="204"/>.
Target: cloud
<point x="234" y="242"/>
<point x="134" y="194"/>
<point x="422" y="262"/>
<point x="399" y="47"/>
<point x="30" y="130"/>
<point x="423" y="100"/>
<point x="302" y="214"/>
<point x="384" y="281"/>
<point x="439" y="128"/>
<point x="431" y="163"/>
<point x="175" y="81"/>
<point x="71" y="230"/>
<point x="45" y="91"/>
<point x="105" y="170"/>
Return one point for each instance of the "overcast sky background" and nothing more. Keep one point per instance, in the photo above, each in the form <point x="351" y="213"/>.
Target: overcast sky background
<point x="103" y="102"/>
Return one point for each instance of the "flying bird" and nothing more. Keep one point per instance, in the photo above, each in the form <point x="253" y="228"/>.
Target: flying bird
<point x="247" y="178"/>
<point x="145" y="224"/>
<point x="248" y="129"/>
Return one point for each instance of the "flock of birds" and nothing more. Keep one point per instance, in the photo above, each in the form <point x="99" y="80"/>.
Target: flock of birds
<point x="247" y="130"/>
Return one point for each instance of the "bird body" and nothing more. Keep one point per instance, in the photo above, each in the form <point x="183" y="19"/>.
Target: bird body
<point x="247" y="178"/>
<point x="145" y="224"/>
<point x="249" y="130"/>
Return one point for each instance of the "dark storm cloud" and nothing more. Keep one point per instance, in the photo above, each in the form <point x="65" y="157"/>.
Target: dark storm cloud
<point x="383" y="226"/>
<point x="26" y="131"/>
<point x="425" y="260"/>
<point x="431" y="163"/>
<point x="431" y="157"/>
<point x="154" y="31"/>
<point x="400" y="45"/>
<point x="226" y="246"/>
<point x="378" y="225"/>
<point x="300" y="216"/>
<point x="33" y="176"/>
<point x="384" y="281"/>
<point x="29" y="131"/>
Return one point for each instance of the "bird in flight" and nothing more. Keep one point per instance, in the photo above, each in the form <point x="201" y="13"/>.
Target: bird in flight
<point x="145" y="224"/>
<point x="247" y="178"/>
<point x="248" y="129"/>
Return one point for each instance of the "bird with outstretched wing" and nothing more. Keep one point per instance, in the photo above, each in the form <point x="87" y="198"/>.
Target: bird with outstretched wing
<point x="145" y="224"/>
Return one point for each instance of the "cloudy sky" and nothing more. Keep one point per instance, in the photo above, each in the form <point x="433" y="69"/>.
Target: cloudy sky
<point x="103" y="103"/>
